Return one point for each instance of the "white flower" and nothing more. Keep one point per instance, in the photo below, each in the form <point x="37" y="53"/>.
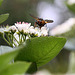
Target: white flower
<point x="37" y="29"/>
<point x="31" y="27"/>
<point x="44" y="32"/>
<point x="44" y="28"/>
<point x="2" y="30"/>
<point x="32" y="31"/>
<point x="6" y="30"/>
<point x="26" y="31"/>
<point x="23" y="26"/>
<point x="12" y="28"/>
<point x="63" y="28"/>
<point x="71" y="2"/>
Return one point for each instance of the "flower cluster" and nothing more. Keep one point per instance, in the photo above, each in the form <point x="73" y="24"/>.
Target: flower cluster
<point x="27" y="29"/>
<point x="20" y="32"/>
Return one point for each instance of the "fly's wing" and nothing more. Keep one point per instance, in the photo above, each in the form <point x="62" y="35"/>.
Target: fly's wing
<point x="34" y="17"/>
<point x="48" y="21"/>
<point x="40" y="19"/>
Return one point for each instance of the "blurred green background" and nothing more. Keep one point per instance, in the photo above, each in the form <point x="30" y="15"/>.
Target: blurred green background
<point x="19" y="10"/>
<point x="56" y="10"/>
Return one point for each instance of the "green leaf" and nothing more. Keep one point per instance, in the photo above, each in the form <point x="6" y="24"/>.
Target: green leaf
<point x="6" y="58"/>
<point x="5" y="49"/>
<point x="32" y="69"/>
<point x="41" y="49"/>
<point x="1" y="2"/>
<point x="16" y="68"/>
<point x="3" y="17"/>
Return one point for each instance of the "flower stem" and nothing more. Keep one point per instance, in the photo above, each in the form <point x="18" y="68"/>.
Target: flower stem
<point x="12" y="37"/>
<point x="24" y="38"/>
<point x="14" y="44"/>
<point x="21" y="38"/>
<point x="7" y="41"/>
<point x="8" y="38"/>
<point x="16" y="40"/>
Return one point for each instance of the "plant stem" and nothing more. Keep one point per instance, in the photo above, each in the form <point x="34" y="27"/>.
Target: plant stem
<point x="12" y="37"/>
<point x="24" y="38"/>
<point x="8" y="38"/>
<point x="21" y="38"/>
<point x="7" y="41"/>
<point x="14" y="44"/>
<point x="16" y="40"/>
